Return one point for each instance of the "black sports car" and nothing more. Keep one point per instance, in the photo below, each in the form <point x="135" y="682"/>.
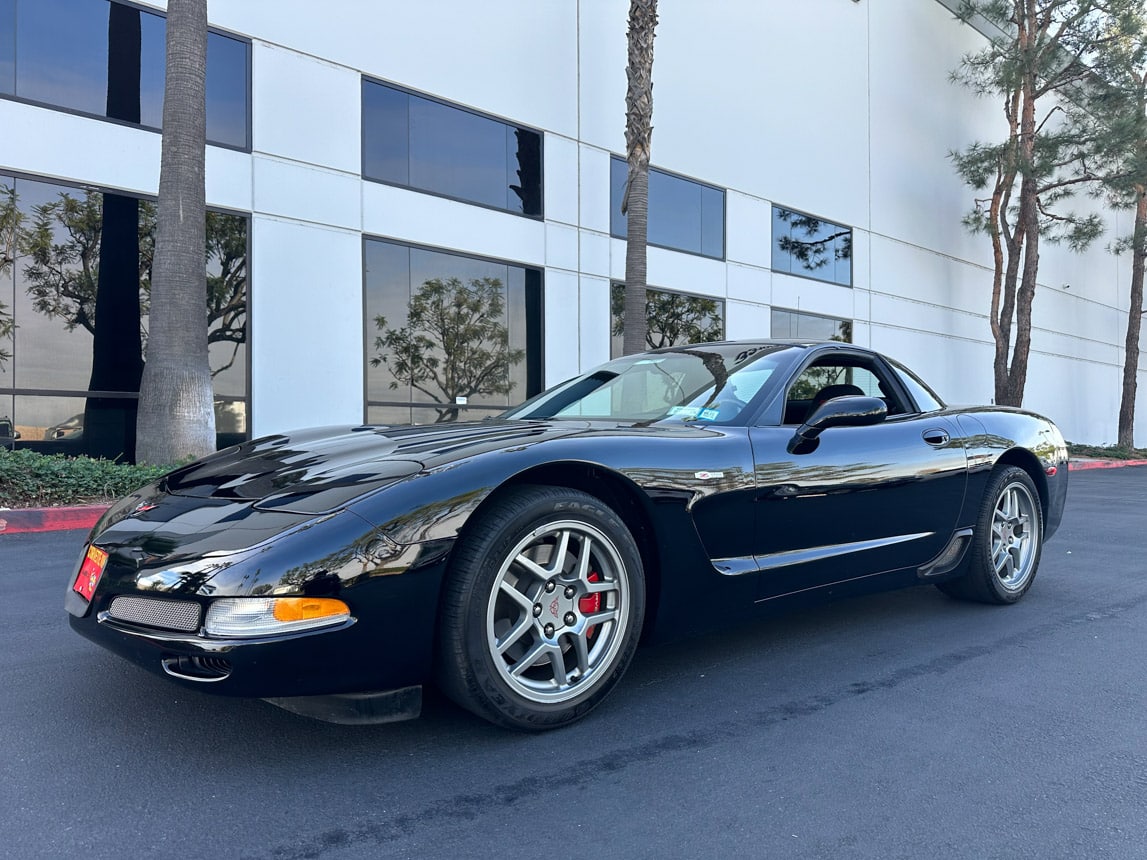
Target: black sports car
<point x="517" y="561"/>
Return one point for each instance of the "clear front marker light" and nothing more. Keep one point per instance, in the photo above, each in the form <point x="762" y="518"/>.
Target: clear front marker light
<point x="238" y="617"/>
<point x="90" y="572"/>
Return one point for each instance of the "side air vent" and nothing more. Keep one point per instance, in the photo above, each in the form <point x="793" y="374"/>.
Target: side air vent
<point x="949" y="557"/>
<point x="203" y="669"/>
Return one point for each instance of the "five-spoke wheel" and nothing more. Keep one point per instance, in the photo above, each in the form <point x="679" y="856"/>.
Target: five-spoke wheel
<point x="1004" y="555"/>
<point x="542" y="610"/>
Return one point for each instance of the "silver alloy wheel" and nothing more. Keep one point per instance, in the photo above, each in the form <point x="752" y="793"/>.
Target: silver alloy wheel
<point x="1015" y="536"/>
<point x="558" y="612"/>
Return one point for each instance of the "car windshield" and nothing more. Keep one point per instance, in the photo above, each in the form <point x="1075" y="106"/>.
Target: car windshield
<point x="706" y="383"/>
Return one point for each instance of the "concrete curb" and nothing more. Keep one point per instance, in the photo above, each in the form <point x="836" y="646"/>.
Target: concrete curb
<point x="23" y="520"/>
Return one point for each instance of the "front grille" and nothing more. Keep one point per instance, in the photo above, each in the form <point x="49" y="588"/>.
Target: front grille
<point x="179" y="615"/>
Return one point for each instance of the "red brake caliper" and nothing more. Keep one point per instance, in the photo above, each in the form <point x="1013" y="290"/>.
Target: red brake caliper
<point x="591" y="603"/>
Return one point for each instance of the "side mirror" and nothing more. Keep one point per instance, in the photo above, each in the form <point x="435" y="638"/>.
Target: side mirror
<point x="849" y="411"/>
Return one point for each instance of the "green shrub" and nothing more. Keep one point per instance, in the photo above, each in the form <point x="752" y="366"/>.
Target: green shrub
<point x="30" y="480"/>
<point x="1106" y="452"/>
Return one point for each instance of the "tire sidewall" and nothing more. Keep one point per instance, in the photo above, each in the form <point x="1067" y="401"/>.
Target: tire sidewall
<point x="496" y="698"/>
<point x="983" y="555"/>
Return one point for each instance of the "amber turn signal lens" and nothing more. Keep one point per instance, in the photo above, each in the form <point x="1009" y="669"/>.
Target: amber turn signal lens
<point x="308" y="608"/>
<point x="271" y="616"/>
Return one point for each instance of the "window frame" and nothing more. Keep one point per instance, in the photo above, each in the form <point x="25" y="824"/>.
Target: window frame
<point x="219" y="31"/>
<point x="534" y="364"/>
<point x="511" y="124"/>
<point x="891" y="387"/>
<point x="615" y="211"/>
<point x="15" y="391"/>
<point x="810" y="274"/>
<point x="722" y="301"/>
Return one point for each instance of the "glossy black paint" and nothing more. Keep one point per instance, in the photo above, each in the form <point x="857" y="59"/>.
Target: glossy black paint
<point x="727" y="517"/>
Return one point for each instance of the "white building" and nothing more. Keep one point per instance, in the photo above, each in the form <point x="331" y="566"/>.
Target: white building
<point x="838" y="108"/>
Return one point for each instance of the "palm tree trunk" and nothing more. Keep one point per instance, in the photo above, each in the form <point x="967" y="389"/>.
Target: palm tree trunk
<point x="638" y="138"/>
<point x="176" y="413"/>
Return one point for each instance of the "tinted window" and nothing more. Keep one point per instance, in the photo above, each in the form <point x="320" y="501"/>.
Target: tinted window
<point x="683" y="215"/>
<point x="926" y="400"/>
<point x="672" y="319"/>
<point x="74" y="307"/>
<point x="809" y="327"/>
<point x="107" y="59"/>
<point x="7" y="51"/>
<point x="812" y="247"/>
<point x="448" y="337"/>
<point x="710" y="384"/>
<point x="228" y="88"/>
<point x="431" y="146"/>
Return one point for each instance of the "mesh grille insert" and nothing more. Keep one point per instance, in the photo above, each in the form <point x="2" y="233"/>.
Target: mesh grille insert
<point x="167" y="614"/>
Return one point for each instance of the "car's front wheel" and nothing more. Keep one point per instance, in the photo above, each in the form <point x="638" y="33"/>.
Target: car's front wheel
<point x="1005" y="551"/>
<point x="542" y="609"/>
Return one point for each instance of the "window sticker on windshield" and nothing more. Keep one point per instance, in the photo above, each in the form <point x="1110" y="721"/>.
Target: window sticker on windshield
<point x="687" y="413"/>
<point x="710" y="414"/>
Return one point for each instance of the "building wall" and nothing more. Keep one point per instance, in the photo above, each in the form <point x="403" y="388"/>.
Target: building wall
<point x="833" y="107"/>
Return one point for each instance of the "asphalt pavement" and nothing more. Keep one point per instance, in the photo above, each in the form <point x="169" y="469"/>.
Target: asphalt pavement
<point x="897" y="725"/>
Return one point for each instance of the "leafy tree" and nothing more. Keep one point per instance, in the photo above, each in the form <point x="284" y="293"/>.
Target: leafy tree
<point x="176" y="411"/>
<point x="672" y="319"/>
<point x="10" y="218"/>
<point x="1030" y="174"/>
<point x="638" y="138"/>
<point x="455" y="343"/>
<point x="1113" y="115"/>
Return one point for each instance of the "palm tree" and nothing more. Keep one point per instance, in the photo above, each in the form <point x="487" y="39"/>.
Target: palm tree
<point x="176" y="415"/>
<point x="638" y="137"/>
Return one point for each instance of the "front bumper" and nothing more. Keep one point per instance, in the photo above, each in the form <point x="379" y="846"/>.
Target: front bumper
<point x="386" y="644"/>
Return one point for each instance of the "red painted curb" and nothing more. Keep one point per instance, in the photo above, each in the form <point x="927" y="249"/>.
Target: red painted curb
<point x="1080" y="465"/>
<point x="49" y="519"/>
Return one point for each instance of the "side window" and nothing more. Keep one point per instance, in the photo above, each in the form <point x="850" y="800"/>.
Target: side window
<point x="926" y="400"/>
<point x="837" y="376"/>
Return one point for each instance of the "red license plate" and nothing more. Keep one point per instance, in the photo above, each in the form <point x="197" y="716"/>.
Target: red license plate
<point x="90" y="572"/>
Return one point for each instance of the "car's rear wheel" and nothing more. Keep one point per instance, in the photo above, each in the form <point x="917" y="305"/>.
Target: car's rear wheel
<point x="542" y="609"/>
<point x="1005" y="551"/>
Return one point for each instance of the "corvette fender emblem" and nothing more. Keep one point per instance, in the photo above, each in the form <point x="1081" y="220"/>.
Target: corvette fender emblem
<point x="704" y="476"/>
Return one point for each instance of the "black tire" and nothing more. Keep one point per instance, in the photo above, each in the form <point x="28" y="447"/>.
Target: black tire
<point x="1002" y="561"/>
<point x="542" y="608"/>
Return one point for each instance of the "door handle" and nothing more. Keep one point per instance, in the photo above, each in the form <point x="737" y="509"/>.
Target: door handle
<point x="936" y="437"/>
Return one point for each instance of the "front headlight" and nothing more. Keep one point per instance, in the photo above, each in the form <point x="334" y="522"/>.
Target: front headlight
<point x="238" y="617"/>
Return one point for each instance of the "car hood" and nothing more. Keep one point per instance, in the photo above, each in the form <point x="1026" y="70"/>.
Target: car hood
<point x="319" y="470"/>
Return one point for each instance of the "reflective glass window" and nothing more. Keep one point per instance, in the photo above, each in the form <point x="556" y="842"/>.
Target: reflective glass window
<point x="926" y="399"/>
<point x="448" y="337"/>
<point x="683" y="215"/>
<point x="431" y="146"/>
<point x="8" y="46"/>
<point x="74" y="306"/>
<point x="62" y="53"/>
<point x="672" y="319"/>
<point x="107" y="60"/>
<point x="809" y="327"/>
<point x="811" y="247"/>
<point x="228" y="90"/>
